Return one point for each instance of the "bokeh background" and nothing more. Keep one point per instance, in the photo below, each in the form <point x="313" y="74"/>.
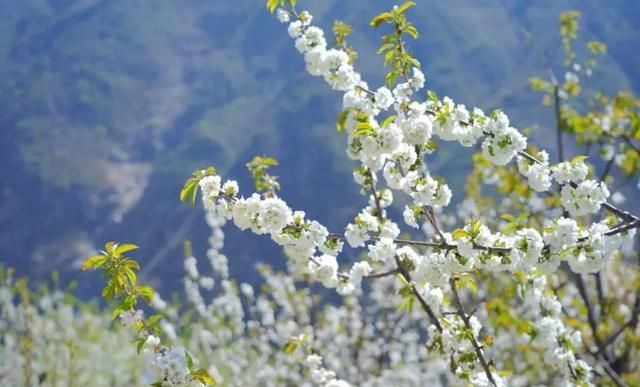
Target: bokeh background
<point x="106" y="106"/>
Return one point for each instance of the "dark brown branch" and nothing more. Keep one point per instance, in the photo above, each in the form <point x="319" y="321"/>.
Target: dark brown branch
<point x="423" y="303"/>
<point x="556" y="103"/>
<point x="465" y="318"/>
<point x="382" y="275"/>
<point x="591" y="318"/>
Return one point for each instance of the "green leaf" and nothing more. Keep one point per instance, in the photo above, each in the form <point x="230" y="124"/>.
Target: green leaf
<point x="390" y="78"/>
<point x="465" y="281"/>
<point x="291" y="346"/>
<point x="123" y="248"/>
<point x="341" y="122"/>
<point x="388" y="57"/>
<point x="405" y="6"/>
<point x="131" y="264"/>
<point x="109" y="246"/>
<point x="94" y="262"/>
<point x="596" y="47"/>
<point x="130" y="275"/>
<point x="139" y="344"/>
<point x="189" y="360"/>
<point x="412" y="31"/>
<point x="386" y="47"/>
<point x="432" y="96"/>
<point x="413" y="61"/>
<point x="459" y="233"/>
<point x="146" y="292"/>
<point x="387" y="121"/>
<point x="154" y="319"/>
<point x="189" y="191"/>
<point x="578" y="159"/>
<point x="474" y="227"/>
<point x="364" y="129"/>
<point x="494" y="113"/>
<point x="272" y="5"/>
<point x="378" y="20"/>
<point x="116" y="312"/>
<point x="508" y="217"/>
<point x="203" y="377"/>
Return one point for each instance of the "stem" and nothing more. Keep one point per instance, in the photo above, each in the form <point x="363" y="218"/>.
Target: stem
<point x="423" y="303"/>
<point x="607" y="168"/>
<point x="382" y="275"/>
<point x="431" y="216"/>
<point x="593" y="323"/>
<point x="556" y="104"/>
<point x="376" y="199"/>
<point x="465" y="318"/>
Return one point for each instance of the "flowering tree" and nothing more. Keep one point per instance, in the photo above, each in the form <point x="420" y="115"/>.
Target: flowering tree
<point x="531" y="280"/>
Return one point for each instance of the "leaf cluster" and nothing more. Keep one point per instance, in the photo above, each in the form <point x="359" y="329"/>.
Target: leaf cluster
<point x="263" y="181"/>
<point x="273" y="4"/>
<point x="396" y="54"/>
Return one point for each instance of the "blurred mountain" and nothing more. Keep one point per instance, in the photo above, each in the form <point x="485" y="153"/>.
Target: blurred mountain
<point x="108" y="105"/>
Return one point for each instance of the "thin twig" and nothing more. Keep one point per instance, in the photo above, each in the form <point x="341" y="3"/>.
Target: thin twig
<point x="467" y="323"/>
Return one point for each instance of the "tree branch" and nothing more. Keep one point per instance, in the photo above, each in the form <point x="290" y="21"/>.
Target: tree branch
<point x="465" y="318"/>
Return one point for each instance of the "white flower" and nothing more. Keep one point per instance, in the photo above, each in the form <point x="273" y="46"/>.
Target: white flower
<point x="312" y="37"/>
<point x="313" y="361"/>
<point x="356" y="235"/>
<point x="344" y="77"/>
<point x="409" y="217"/>
<point x="337" y="383"/>
<point x="295" y="29"/>
<point x="207" y="283"/>
<point x="417" y="80"/>
<point x="383" y="98"/>
<point x="210" y="186"/>
<point x="501" y="148"/>
<point x="539" y="175"/>
<point x="585" y="199"/>
<point x="406" y="252"/>
<point x="527" y="248"/>
<point x="190" y="266"/>
<point x="383" y="250"/>
<point x="564" y="233"/>
<point x="402" y="91"/>
<point x="358" y="271"/>
<point x="130" y="317"/>
<point x="306" y="18"/>
<point x="393" y="176"/>
<point x="434" y="296"/>
<point x="151" y="343"/>
<point x="245" y="211"/>
<point x="316" y="61"/>
<point x="283" y="15"/>
<point x="607" y="152"/>
<point x="273" y="215"/>
<point x="567" y="171"/>
<point x="425" y="190"/>
<point x="326" y="271"/>
<point x="417" y="129"/>
<point x="230" y="188"/>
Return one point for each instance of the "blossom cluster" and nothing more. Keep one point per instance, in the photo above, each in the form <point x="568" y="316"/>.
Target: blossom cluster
<point x="550" y="334"/>
<point x="241" y="331"/>
<point x="48" y="339"/>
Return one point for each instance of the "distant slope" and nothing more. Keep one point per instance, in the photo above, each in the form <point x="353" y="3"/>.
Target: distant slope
<point x="108" y="105"/>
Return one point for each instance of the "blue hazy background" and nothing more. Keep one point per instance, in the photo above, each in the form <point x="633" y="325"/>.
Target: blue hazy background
<point x="106" y="106"/>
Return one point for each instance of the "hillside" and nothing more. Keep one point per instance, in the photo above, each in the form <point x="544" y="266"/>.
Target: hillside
<point x="109" y="105"/>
